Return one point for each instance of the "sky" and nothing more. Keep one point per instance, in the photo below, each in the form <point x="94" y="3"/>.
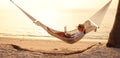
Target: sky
<point x="73" y="4"/>
<point x="46" y="10"/>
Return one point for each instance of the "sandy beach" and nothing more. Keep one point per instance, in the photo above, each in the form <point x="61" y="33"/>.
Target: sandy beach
<point x="34" y="48"/>
<point x="49" y="45"/>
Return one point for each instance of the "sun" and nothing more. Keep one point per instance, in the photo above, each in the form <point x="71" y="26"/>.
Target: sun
<point x="48" y="13"/>
<point x="48" y="16"/>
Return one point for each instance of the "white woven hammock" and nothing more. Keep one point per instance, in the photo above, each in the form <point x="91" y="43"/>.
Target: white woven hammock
<point x="91" y="24"/>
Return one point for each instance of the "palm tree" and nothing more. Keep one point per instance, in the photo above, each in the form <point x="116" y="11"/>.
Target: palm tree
<point x="114" y="37"/>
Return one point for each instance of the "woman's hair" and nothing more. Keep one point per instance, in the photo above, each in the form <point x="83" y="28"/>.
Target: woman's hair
<point x="82" y="26"/>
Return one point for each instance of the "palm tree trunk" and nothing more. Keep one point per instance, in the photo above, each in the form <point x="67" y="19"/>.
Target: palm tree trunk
<point x="114" y="37"/>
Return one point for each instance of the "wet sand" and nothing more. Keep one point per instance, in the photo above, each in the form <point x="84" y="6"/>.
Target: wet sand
<point x="49" y="45"/>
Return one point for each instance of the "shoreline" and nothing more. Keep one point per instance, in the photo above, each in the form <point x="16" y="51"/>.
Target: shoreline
<point x="44" y="38"/>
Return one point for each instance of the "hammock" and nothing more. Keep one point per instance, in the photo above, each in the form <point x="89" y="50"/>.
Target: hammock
<point x="91" y="24"/>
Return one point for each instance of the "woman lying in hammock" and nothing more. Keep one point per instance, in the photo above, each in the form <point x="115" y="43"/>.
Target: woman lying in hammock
<point x="81" y="30"/>
<point x="72" y="38"/>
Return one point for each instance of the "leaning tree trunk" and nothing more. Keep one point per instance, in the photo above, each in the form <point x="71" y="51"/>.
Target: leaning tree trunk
<point x="114" y="37"/>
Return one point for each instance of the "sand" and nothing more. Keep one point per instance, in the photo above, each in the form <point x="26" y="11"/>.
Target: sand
<point x="32" y="48"/>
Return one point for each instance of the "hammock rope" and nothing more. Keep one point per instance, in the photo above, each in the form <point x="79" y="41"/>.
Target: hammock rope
<point x="91" y="24"/>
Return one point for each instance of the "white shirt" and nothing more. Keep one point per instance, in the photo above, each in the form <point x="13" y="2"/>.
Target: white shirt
<point x="78" y="34"/>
